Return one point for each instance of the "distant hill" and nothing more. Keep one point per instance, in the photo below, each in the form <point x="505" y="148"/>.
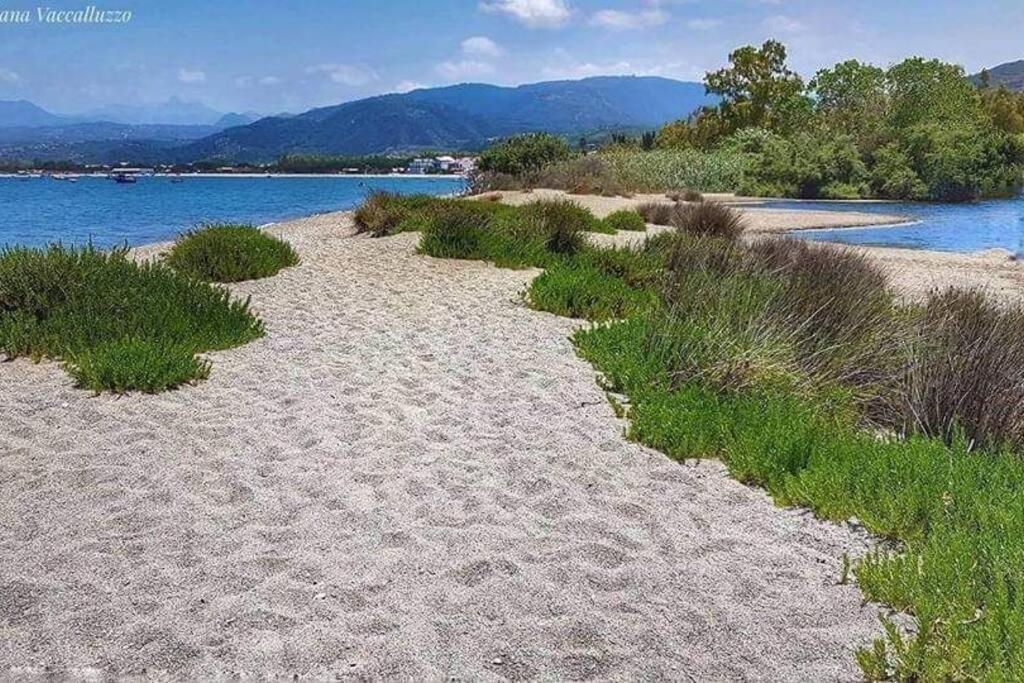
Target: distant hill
<point x="457" y="117"/>
<point x="1010" y="74"/>
<point x="24" y="113"/>
<point x="175" y="111"/>
<point x="233" y="119"/>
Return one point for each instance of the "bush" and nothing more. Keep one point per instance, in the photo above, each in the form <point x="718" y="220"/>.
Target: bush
<point x="712" y="219"/>
<point x="523" y="153"/>
<point x="658" y="213"/>
<point x="585" y="291"/>
<point x="230" y="253"/>
<point x="456" y="230"/>
<point x="383" y="213"/>
<point x="111" y="319"/>
<point x="966" y="373"/>
<point x="560" y="222"/>
<point x="625" y="219"/>
<point x="127" y="364"/>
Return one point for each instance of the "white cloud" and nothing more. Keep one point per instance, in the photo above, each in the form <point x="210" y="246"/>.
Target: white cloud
<point x="703" y="24"/>
<point x="191" y="76"/>
<point x="532" y="13"/>
<point x="463" y="69"/>
<point x="8" y="76"/>
<point x="617" y="19"/>
<point x="780" y="23"/>
<point x="481" y="46"/>
<point x="271" y="80"/>
<point x="406" y="86"/>
<point x="347" y="74"/>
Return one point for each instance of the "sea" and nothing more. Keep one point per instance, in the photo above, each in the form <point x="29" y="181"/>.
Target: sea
<point x="37" y="212"/>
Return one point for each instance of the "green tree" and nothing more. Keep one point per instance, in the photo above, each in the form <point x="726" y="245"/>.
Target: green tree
<point x="851" y="99"/>
<point x="759" y="90"/>
<point x="523" y="153"/>
<point x="931" y="91"/>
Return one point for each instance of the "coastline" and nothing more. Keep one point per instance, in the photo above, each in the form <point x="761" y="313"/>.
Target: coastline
<point x="186" y="176"/>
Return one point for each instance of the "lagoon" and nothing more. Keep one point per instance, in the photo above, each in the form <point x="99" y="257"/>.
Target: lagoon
<point x="42" y="211"/>
<point x="969" y="227"/>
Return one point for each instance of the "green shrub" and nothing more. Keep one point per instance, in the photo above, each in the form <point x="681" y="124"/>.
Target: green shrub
<point x="456" y="230"/>
<point x="560" y="222"/>
<point x="584" y="291"/>
<point x="230" y="253"/>
<point x="384" y="213"/>
<point x="110" y="318"/>
<point x="135" y="364"/>
<point x="523" y="153"/>
<point x="625" y="219"/>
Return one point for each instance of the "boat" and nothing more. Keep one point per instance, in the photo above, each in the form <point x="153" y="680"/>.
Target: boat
<point x="123" y="178"/>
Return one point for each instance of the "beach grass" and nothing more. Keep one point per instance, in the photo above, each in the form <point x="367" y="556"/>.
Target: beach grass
<point x="795" y="366"/>
<point x="230" y="253"/>
<point x="116" y="324"/>
<point x="625" y="219"/>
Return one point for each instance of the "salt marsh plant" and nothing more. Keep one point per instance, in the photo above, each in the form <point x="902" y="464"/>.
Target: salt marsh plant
<point x="117" y="324"/>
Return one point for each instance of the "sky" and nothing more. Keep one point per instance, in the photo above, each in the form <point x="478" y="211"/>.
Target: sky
<point x="270" y="56"/>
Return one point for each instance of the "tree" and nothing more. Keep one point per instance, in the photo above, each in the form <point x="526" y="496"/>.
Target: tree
<point x="759" y="90"/>
<point x="523" y="153"/>
<point x="931" y="91"/>
<point x="851" y="99"/>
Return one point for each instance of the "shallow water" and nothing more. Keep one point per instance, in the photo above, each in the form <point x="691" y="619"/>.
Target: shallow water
<point x="41" y="211"/>
<point x="943" y="227"/>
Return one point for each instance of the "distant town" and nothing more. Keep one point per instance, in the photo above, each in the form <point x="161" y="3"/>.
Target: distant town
<point x="288" y="165"/>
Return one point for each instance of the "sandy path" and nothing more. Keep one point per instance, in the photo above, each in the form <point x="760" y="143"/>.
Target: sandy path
<point x="412" y="476"/>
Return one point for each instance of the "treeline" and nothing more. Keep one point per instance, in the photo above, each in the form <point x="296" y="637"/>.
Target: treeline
<point x="917" y="130"/>
<point x="315" y="163"/>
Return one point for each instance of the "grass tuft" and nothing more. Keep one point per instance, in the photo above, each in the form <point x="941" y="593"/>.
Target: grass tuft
<point x="230" y="253"/>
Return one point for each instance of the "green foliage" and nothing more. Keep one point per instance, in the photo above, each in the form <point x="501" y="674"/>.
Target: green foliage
<point x="668" y="169"/>
<point x="759" y="90"/>
<point x="135" y="364"/>
<point x="581" y="290"/>
<point x="918" y="130"/>
<point x="117" y="324"/>
<point x="384" y="213"/>
<point x="523" y="153"/>
<point x="624" y="219"/>
<point x="230" y="253"/>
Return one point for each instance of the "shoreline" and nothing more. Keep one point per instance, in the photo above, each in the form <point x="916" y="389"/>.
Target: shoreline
<point x="185" y="176"/>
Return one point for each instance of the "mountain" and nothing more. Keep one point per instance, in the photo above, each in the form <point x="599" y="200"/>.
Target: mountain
<point x="174" y="111"/>
<point x="233" y="119"/>
<point x="1010" y="74"/>
<point x="463" y="116"/>
<point x="24" y="113"/>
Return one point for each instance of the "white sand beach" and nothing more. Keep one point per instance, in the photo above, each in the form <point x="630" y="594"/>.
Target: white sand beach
<point x="412" y="476"/>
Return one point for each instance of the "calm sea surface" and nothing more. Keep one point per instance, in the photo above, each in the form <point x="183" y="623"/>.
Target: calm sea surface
<point x="943" y="227"/>
<point x="41" y="211"/>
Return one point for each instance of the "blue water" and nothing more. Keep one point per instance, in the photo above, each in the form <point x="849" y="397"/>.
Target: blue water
<point x="41" y="211"/>
<point x="942" y="227"/>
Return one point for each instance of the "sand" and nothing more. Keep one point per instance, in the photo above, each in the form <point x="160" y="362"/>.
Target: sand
<point x="411" y="477"/>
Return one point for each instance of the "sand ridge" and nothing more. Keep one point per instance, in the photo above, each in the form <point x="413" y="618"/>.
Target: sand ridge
<point x="412" y="476"/>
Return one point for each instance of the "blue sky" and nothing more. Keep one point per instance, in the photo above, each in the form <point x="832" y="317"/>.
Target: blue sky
<point x="272" y="55"/>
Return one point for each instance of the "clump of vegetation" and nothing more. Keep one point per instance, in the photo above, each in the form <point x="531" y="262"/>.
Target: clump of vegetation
<point x="917" y="130"/>
<point x="966" y="371"/>
<point x="385" y="213"/>
<point x="625" y="219"/>
<point x="523" y="153"/>
<point x="672" y="168"/>
<point x="116" y="324"/>
<point x="658" y="213"/>
<point x="230" y="253"/>
<point x="712" y="219"/>
<point x="582" y="290"/>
